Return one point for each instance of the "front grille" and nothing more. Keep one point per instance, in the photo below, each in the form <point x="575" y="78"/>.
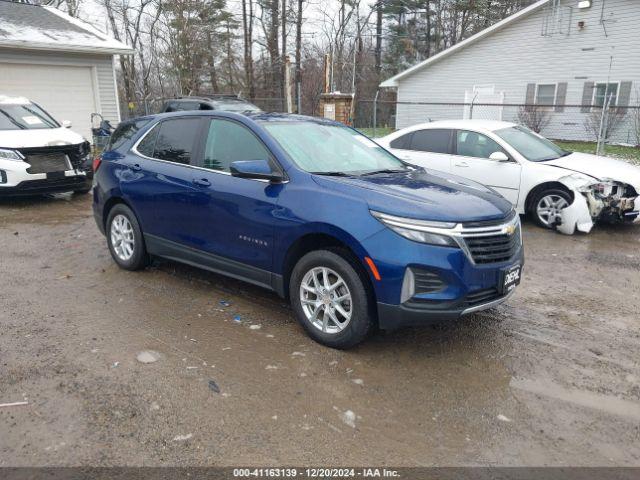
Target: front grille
<point x="493" y="249"/>
<point x="492" y="243"/>
<point x="47" y="162"/>
<point x="481" y="296"/>
<point x="427" y="282"/>
<point x="56" y="158"/>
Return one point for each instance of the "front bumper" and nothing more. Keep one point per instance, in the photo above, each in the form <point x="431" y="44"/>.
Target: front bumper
<point x="448" y="282"/>
<point x="46" y="185"/>
<point x="391" y="317"/>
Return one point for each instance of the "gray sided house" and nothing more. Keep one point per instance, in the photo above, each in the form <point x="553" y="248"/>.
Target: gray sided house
<point x="59" y="62"/>
<point x="564" y="56"/>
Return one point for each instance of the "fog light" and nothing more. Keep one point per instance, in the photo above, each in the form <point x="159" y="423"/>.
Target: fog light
<point x="408" y="286"/>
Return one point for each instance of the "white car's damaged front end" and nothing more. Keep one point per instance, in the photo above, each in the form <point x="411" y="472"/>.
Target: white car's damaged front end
<point x="594" y="200"/>
<point x="38" y="154"/>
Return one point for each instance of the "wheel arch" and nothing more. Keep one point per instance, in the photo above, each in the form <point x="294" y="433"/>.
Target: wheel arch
<point x="109" y="204"/>
<point x="323" y="240"/>
<point x="551" y="185"/>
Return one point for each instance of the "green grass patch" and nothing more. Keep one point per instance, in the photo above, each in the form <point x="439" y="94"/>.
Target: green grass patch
<point x="630" y="154"/>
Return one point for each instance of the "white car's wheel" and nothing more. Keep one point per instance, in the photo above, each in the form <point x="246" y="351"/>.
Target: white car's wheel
<point x="547" y="207"/>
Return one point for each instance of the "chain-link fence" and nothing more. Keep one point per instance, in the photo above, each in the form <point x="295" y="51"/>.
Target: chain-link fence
<point x="608" y="130"/>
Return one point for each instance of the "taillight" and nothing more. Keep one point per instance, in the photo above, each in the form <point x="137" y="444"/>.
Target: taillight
<point x="96" y="163"/>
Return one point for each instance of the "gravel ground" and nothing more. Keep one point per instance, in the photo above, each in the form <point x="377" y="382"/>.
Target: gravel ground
<point x="550" y="378"/>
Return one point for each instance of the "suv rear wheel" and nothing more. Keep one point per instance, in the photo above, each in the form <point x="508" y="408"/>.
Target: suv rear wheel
<point x="330" y="299"/>
<point x="125" y="239"/>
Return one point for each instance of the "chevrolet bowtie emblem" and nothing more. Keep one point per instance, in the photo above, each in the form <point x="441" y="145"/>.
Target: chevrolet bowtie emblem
<point x="510" y="229"/>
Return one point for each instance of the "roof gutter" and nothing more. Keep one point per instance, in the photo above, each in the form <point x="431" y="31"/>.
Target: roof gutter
<point x="28" y="45"/>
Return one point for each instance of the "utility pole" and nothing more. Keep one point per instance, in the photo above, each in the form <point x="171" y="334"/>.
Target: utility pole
<point x="299" y="59"/>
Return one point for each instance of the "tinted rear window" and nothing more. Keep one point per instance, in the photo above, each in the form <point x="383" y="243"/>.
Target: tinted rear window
<point x="401" y="142"/>
<point x="432" y="140"/>
<point x="125" y="132"/>
<point x="148" y="143"/>
<point x="176" y="140"/>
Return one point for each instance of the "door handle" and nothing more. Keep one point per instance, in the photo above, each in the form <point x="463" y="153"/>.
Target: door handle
<point x="462" y="164"/>
<point x="203" y="182"/>
<point x="135" y="167"/>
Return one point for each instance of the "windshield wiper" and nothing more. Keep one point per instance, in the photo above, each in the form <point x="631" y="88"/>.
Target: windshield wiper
<point x="332" y="174"/>
<point x="13" y="120"/>
<point x="384" y="170"/>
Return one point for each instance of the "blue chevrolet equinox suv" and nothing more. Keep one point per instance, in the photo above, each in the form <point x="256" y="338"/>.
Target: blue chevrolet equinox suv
<point x="353" y="237"/>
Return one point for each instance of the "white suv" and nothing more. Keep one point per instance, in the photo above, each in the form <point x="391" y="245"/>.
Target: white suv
<point x="38" y="154"/>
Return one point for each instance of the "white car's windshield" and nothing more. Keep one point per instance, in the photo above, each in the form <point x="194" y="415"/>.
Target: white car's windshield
<point x="531" y="146"/>
<point x="331" y="149"/>
<point x="24" y="116"/>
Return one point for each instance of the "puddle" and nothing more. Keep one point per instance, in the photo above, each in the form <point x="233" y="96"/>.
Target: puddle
<point x="604" y="403"/>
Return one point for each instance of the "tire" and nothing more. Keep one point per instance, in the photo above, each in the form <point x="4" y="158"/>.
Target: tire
<point x="555" y="199"/>
<point x="343" y="333"/>
<point x="130" y="254"/>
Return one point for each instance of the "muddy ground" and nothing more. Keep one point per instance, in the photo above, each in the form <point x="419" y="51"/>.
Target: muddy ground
<point x="550" y="378"/>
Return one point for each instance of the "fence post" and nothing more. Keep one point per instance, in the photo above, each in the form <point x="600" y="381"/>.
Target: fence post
<point x="603" y="126"/>
<point x="375" y="112"/>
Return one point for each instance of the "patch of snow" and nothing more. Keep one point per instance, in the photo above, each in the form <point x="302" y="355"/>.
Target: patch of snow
<point x="502" y="418"/>
<point x="148" y="356"/>
<point x="349" y="418"/>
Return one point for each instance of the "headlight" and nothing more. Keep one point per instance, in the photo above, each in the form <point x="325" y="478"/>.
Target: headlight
<point x="6" y="154"/>
<point x="432" y="233"/>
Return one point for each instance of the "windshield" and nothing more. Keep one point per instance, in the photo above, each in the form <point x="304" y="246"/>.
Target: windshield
<point x="531" y="146"/>
<point x="329" y="149"/>
<point x="25" y="117"/>
<point x="235" y="106"/>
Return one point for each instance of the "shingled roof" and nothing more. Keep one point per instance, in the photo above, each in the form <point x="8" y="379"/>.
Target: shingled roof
<point x="35" y="27"/>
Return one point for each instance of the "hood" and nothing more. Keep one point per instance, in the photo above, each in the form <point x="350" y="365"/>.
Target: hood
<point x="422" y="195"/>
<point x="45" y="137"/>
<point x="600" y="168"/>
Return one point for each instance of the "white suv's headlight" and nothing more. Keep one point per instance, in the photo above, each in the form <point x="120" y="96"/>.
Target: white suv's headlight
<point x="432" y="233"/>
<point x="7" y="154"/>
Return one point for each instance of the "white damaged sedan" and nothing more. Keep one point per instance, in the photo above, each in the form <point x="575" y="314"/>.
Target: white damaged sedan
<point x="567" y="191"/>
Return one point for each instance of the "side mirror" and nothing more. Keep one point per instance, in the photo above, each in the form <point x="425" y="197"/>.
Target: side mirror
<point x="66" y="123"/>
<point x="256" y="169"/>
<point x="499" y="157"/>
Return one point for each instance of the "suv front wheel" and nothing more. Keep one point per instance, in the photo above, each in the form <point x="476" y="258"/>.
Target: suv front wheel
<point x="330" y="299"/>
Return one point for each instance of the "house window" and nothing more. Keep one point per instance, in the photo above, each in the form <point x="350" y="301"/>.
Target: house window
<point x="546" y="95"/>
<point x="603" y="91"/>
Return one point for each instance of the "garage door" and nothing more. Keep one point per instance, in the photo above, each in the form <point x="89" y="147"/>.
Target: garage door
<point x="67" y="93"/>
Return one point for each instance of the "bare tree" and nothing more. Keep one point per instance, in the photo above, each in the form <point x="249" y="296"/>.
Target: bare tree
<point x="247" y="29"/>
<point x="534" y="117"/>
<point x="613" y="119"/>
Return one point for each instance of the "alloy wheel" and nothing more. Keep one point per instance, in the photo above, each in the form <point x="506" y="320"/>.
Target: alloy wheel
<point x="549" y="208"/>
<point x="122" y="237"/>
<point x="326" y="300"/>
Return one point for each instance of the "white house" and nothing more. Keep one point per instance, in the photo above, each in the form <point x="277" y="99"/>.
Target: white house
<point x="59" y="62"/>
<point x="564" y="55"/>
